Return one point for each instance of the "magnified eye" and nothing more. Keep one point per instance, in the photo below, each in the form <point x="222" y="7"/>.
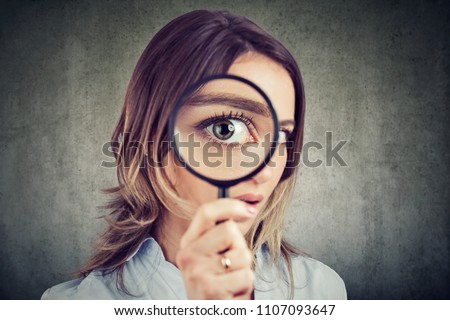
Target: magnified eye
<point x="231" y="131"/>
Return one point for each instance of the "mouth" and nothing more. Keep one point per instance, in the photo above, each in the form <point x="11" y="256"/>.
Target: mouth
<point x="250" y="198"/>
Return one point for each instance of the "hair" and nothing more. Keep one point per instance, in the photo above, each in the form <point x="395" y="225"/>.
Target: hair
<point x="192" y="46"/>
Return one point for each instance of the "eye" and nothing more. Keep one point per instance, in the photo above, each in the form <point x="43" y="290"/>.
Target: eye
<point x="230" y="131"/>
<point x="284" y="135"/>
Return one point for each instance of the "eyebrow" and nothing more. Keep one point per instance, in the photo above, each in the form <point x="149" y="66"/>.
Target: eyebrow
<point x="286" y="123"/>
<point x="231" y="100"/>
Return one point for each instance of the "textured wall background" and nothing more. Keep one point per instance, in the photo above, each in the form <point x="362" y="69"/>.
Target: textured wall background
<point x="376" y="74"/>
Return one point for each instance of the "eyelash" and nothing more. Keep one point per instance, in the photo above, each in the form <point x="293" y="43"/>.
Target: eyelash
<point x="213" y="119"/>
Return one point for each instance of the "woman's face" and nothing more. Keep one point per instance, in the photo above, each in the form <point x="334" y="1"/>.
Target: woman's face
<point x="275" y="81"/>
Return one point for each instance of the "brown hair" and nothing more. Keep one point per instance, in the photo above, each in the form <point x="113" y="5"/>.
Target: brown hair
<point x="192" y="46"/>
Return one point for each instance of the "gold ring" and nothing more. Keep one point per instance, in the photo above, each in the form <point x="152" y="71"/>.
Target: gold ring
<point x="226" y="262"/>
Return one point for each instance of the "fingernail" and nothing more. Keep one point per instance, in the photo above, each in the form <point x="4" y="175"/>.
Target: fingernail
<point x="252" y="210"/>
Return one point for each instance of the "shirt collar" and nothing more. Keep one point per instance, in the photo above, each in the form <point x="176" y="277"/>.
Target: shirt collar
<point x="143" y="244"/>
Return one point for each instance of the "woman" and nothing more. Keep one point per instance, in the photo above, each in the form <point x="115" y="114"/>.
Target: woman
<point x="164" y="240"/>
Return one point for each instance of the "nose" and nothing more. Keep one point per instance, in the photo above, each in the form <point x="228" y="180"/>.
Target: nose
<point x="264" y="175"/>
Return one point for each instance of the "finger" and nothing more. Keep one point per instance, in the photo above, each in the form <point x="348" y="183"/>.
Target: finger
<point x="236" y="259"/>
<point x="233" y="259"/>
<point x="208" y="214"/>
<point x="194" y="263"/>
<point x="239" y="282"/>
<point x="219" y="238"/>
<point x="247" y="295"/>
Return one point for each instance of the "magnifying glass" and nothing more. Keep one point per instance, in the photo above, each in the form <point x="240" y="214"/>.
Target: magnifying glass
<point x="224" y="130"/>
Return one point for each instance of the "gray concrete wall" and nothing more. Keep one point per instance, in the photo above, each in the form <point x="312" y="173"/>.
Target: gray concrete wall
<point x="376" y="74"/>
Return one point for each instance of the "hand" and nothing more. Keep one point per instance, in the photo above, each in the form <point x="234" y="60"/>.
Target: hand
<point x="202" y="249"/>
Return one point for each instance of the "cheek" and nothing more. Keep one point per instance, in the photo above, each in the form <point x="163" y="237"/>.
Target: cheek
<point x="280" y="160"/>
<point x="189" y="187"/>
<point x="193" y="189"/>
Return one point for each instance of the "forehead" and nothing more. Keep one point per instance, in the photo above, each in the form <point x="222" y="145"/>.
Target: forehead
<point x="271" y="77"/>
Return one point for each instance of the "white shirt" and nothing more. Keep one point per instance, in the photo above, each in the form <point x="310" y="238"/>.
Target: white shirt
<point x="147" y="275"/>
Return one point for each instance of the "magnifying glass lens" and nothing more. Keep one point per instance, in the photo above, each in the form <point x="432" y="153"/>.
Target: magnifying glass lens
<point x="224" y="129"/>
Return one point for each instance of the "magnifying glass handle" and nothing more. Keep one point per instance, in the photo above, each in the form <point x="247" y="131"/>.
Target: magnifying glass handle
<point x="223" y="192"/>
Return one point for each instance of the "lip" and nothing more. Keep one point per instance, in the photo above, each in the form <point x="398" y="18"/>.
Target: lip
<point x="250" y="198"/>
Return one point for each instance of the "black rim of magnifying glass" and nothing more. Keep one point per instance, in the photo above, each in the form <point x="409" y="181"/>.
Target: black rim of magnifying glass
<point x="180" y="103"/>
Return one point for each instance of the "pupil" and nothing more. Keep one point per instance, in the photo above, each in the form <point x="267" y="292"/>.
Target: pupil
<point x="223" y="129"/>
